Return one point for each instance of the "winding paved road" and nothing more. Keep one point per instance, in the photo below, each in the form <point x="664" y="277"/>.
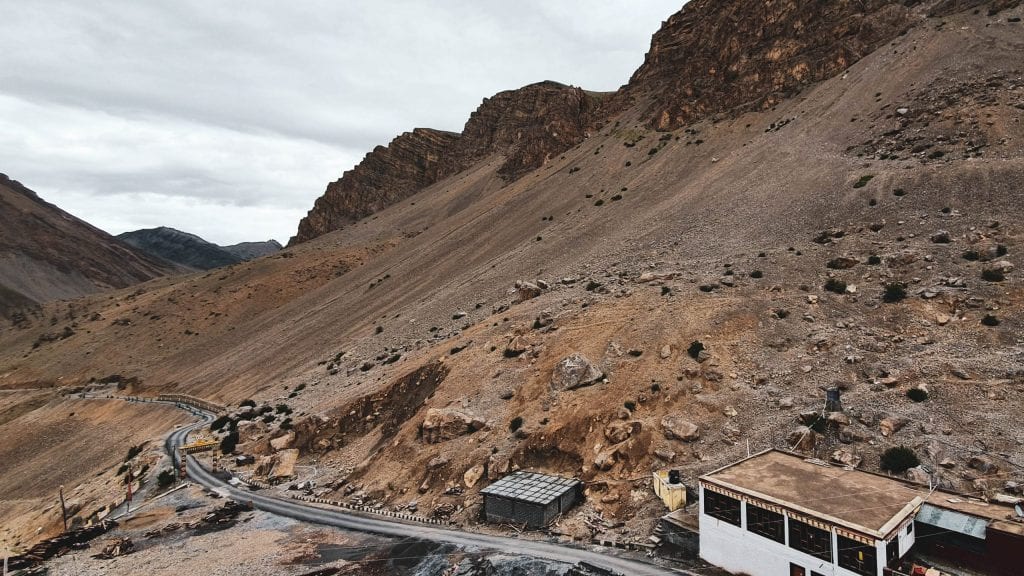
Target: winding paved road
<point x="349" y="520"/>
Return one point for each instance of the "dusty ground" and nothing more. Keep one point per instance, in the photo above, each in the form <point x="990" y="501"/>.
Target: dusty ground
<point x="77" y="444"/>
<point x="330" y="327"/>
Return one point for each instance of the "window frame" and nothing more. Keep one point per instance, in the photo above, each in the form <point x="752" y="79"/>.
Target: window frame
<point x="848" y="547"/>
<point x="801" y="532"/>
<point x="715" y="507"/>
<point x="764" y="523"/>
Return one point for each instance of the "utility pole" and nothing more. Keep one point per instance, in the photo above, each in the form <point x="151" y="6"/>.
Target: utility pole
<point x="63" y="513"/>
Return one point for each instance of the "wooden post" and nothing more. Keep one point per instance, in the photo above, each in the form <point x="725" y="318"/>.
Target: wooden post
<point x="63" y="513"/>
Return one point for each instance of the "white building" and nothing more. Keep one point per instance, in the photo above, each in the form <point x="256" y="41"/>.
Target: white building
<point x="778" y="514"/>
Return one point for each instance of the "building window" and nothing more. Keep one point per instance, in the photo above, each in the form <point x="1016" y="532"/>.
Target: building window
<point x="810" y="540"/>
<point x="766" y="523"/>
<point x="858" y="557"/>
<point x="910" y="528"/>
<point x="722" y="507"/>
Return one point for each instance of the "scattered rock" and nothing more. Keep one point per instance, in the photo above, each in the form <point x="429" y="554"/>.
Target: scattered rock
<point x="666" y="352"/>
<point x="526" y="291"/>
<point x="441" y="424"/>
<point x="619" y="431"/>
<point x="282" y="442"/>
<point x="473" y="475"/>
<point x="437" y="462"/>
<point x="846" y="457"/>
<point x="891" y="425"/>
<point x="802" y="439"/>
<point x="730" y="412"/>
<point x="918" y="475"/>
<point x="573" y="372"/>
<point x="941" y="237"/>
<point x="983" y="464"/>
<point x="677" y="428"/>
<point x="665" y="454"/>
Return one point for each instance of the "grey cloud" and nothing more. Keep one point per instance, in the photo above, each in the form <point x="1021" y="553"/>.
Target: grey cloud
<point x="256" y="105"/>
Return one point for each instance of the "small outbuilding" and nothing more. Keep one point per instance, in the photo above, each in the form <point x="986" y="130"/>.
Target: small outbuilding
<point x="530" y="498"/>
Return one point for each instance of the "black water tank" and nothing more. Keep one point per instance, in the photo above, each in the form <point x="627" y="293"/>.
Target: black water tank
<point x="674" y="477"/>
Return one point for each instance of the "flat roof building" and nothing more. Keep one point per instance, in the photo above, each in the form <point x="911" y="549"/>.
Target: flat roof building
<point x="778" y="513"/>
<point x="530" y="498"/>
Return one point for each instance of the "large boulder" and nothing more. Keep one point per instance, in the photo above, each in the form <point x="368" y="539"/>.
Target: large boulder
<point x="282" y="442"/>
<point x="802" y="439"/>
<point x="575" y="371"/>
<point x="891" y="425"/>
<point x="443" y="424"/>
<point x="473" y="475"/>
<point x="677" y="428"/>
<point x="526" y="291"/>
<point x="846" y="457"/>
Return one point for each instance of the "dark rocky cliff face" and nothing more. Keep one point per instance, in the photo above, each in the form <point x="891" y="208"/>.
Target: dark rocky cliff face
<point x="716" y="56"/>
<point x="526" y="126"/>
<point x="386" y="175"/>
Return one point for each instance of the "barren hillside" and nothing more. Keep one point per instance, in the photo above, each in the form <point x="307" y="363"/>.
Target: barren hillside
<point x="860" y="232"/>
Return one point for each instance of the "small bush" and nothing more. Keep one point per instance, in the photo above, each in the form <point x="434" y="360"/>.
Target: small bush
<point x="219" y="422"/>
<point x="835" y="285"/>
<point x="515" y="424"/>
<point x="630" y="405"/>
<point x="990" y="320"/>
<point x="757" y="274"/>
<point x="874" y="260"/>
<point x="992" y="275"/>
<point x="283" y="409"/>
<point x="894" y="292"/>
<point x="599" y="203"/>
<point x="248" y="403"/>
<point x="286" y="424"/>
<point x="899" y="192"/>
<point x="917" y="394"/>
<point x="863" y="181"/>
<point x="971" y="256"/>
<point x="616" y="198"/>
<point x="899" y="460"/>
<point x="228" y="443"/>
<point x="665" y="290"/>
<point x="165" y="478"/>
<point x="696" y="347"/>
<point x="133" y="452"/>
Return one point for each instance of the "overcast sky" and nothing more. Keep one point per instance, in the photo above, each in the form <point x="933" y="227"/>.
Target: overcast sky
<point x="228" y="118"/>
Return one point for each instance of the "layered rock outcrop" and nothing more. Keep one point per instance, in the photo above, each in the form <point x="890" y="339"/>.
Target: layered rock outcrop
<point x="715" y="56"/>
<point x="526" y="126"/>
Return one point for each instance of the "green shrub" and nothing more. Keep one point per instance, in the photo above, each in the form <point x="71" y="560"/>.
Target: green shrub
<point x="992" y="275"/>
<point x="863" y="181"/>
<point x="219" y="422"/>
<point x="835" y="285"/>
<point x="990" y="320"/>
<point x="165" y="478"/>
<point x="630" y="405"/>
<point x="894" y="292"/>
<point x="228" y="443"/>
<point x="515" y="424"/>
<point x="249" y="402"/>
<point x="917" y="394"/>
<point x="757" y="274"/>
<point x="899" y="460"/>
<point x="874" y="260"/>
<point x="696" y="347"/>
<point x="134" y="451"/>
<point x="283" y="409"/>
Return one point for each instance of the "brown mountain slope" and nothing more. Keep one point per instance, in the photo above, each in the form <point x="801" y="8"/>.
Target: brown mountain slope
<point x="48" y="254"/>
<point x="903" y="171"/>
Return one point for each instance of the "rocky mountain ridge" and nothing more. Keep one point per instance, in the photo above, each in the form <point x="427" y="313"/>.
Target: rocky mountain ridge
<point x="526" y="126"/>
<point x="708" y="59"/>
<point x="46" y="253"/>
<point x="191" y="251"/>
